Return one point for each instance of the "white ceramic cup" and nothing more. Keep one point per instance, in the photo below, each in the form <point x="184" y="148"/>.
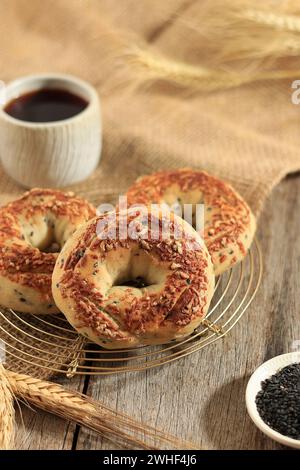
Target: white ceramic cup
<point x="51" y="154"/>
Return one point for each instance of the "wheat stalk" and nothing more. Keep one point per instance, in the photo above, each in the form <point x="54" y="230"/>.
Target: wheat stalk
<point x="278" y="21"/>
<point x="76" y="407"/>
<point x="240" y="45"/>
<point x="153" y="66"/>
<point x="7" y="412"/>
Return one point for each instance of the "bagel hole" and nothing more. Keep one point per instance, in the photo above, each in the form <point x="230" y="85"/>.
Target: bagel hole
<point x="43" y="238"/>
<point x="53" y="247"/>
<point x="178" y="208"/>
<point x="177" y="205"/>
<point x="139" y="283"/>
<point x="48" y="243"/>
<point x="135" y="269"/>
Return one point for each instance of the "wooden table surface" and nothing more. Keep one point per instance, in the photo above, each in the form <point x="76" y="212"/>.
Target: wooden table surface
<point x="201" y="397"/>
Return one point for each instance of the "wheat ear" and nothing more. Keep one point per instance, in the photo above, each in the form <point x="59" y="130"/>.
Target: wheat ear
<point x="274" y="20"/>
<point x="153" y="66"/>
<point x="7" y="412"/>
<point x="76" y="407"/>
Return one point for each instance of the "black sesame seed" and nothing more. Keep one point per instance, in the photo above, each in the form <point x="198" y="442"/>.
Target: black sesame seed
<point x="80" y="253"/>
<point x="278" y="401"/>
<point x="22" y="299"/>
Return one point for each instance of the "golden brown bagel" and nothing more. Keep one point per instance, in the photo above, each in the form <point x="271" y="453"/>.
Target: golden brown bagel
<point x="40" y="221"/>
<point x="125" y="291"/>
<point x="229" y="223"/>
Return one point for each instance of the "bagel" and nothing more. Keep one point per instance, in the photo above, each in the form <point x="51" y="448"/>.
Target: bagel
<point x="229" y="225"/>
<point x="30" y="228"/>
<point x="123" y="291"/>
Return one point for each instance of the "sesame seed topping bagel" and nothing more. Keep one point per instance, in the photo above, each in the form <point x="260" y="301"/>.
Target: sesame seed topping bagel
<point x="229" y="224"/>
<point x="136" y="277"/>
<point x="32" y="230"/>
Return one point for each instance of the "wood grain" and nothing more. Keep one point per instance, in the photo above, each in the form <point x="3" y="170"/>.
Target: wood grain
<point x="37" y="430"/>
<point x="201" y="397"/>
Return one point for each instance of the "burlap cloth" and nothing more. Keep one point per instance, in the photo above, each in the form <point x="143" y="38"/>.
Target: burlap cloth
<point x="247" y="135"/>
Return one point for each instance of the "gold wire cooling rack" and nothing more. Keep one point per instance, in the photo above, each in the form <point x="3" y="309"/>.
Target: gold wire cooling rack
<point x="49" y="342"/>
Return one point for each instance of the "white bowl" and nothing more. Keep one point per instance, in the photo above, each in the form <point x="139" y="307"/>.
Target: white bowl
<point x="265" y="371"/>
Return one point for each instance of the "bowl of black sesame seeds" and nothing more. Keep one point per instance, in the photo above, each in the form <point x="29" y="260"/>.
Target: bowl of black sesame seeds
<point x="273" y="399"/>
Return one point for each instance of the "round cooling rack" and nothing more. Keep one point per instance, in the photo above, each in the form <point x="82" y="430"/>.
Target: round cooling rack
<point x="48" y="342"/>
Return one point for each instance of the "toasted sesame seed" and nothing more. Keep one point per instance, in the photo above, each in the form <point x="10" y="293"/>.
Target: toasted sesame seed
<point x="175" y="266"/>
